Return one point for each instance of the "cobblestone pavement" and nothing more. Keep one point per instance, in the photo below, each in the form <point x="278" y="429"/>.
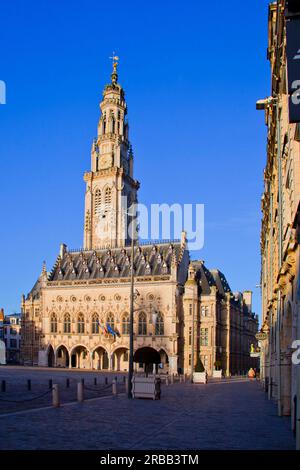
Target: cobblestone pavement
<point x="227" y="415"/>
<point x="17" y="397"/>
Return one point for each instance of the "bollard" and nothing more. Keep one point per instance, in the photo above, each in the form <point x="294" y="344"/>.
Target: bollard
<point x="114" y="387"/>
<point x="116" y="378"/>
<point x="50" y="383"/>
<point x="68" y="383"/>
<point x="80" y="392"/>
<point x="29" y="384"/>
<point x="106" y="381"/>
<point x="167" y="380"/>
<point x="126" y="384"/>
<point x="55" y="396"/>
<point x="3" y="386"/>
<point x="124" y="379"/>
<point x="95" y="381"/>
<point x="82" y="381"/>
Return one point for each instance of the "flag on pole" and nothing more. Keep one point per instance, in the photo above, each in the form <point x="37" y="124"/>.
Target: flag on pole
<point x="110" y="329"/>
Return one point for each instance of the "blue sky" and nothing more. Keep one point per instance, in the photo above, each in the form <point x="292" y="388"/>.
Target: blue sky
<point x="192" y="72"/>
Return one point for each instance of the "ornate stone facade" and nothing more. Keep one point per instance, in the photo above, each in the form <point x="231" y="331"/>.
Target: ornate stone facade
<point x="69" y="312"/>
<point x="280" y="230"/>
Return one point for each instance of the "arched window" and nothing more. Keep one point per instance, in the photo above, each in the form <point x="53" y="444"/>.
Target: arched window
<point x="125" y="324"/>
<point x="53" y="323"/>
<point x="111" y="320"/>
<point x="67" y="323"/>
<point x="97" y="201"/>
<point x="113" y="125"/>
<point x="142" y="324"/>
<point x="159" y="325"/>
<point x="95" y="324"/>
<point x="80" y="323"/>
<point x="107" y="198"/>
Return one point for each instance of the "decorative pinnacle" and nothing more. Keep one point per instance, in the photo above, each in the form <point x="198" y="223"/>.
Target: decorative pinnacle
<point x="44" y="269"/>
<point x="115" y="62"/>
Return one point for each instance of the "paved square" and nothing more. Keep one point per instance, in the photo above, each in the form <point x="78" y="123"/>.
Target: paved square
<point x="226" y="415"/>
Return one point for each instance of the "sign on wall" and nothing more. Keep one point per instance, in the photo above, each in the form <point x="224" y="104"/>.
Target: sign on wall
<point x="293" y="66"/>
<point x="261" y="336"/>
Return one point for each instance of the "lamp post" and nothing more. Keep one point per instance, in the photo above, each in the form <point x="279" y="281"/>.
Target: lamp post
<point x="130" y="368"/>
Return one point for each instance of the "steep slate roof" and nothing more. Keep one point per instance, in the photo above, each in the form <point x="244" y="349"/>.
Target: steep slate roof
<point x="115" y="262"/>
<point x="221" y="281"/>
<point x="213" y="277"/>
<point x="208" y="278"/>
<point x="35" y="291"/>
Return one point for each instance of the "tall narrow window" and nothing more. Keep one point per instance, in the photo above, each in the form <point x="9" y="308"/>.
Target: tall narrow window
<point x="125" y="324"/>
<point x="67" y="323"/>
<point x="97" y="201"/>
<point x="204" y="337"/>
<point x="190" y="336"/>
<point x="53" y="323"/>
<point x="95" y="324"/>
<point x="107" y="198"/>
<point x="142" y="324"/>
<point x="80" y="323"/>
<point x="205" y="311"/>
<point x="159" y="325"/>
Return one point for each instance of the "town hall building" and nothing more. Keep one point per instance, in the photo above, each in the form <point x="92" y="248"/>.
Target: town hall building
<point x="77" y="315"/>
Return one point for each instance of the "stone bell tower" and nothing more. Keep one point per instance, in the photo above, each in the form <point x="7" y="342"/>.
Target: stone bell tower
<point x="110" y="187"/>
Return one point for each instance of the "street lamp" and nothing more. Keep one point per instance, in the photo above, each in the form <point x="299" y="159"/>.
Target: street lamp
<point x="130" y="368"/>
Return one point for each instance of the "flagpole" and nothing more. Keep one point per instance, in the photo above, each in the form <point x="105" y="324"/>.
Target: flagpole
<point x="130" y="369"/>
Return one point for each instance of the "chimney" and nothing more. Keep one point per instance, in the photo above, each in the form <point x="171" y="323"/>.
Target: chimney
<point x="247" y="296"/>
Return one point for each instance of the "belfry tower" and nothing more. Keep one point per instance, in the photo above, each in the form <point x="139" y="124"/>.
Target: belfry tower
<point x="110" y="187"/>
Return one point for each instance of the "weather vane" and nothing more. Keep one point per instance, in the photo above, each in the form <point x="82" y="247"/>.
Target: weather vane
<point x="115" y="59"/>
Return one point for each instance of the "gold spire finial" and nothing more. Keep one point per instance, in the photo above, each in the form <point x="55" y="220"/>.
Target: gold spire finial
<point x="115" y="62"/>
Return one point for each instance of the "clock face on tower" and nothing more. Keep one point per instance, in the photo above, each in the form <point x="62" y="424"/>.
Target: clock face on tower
<point x="105" y="161"/>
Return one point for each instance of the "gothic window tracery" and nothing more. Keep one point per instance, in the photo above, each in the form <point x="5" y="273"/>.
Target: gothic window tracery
<point x="53" y="323"/>
<point x="97" y="201"/>
<point x="107" y="198"/>
<point x="80" y="323"/>
<point x="125" y="324"/>
<point x="159" y="325"/>
<point x="67" y="323"/>
<point x="95" y="324"/>
<point x="142" y="324"/>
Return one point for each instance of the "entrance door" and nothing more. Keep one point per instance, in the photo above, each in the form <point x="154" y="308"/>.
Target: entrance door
<point x="73" y="360"/>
